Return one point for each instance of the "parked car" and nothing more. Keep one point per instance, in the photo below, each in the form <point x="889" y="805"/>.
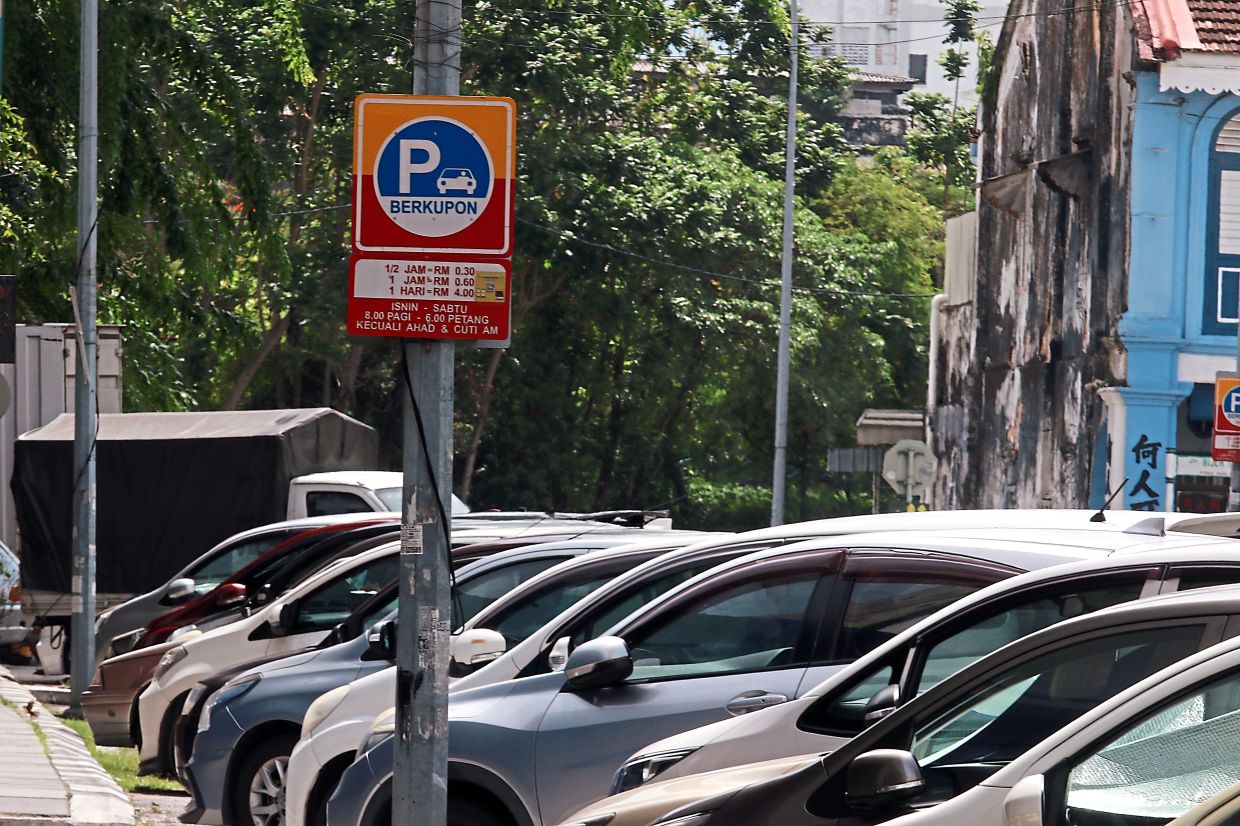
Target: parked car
<point x="745" y="635"/>
<point x="544" y="652"/>
<point x="267" y="706"/>
<point x="14" y="629"/>
<point x="673" y="772"/>
<point x="554" y="746"/>
<point x="299" y="618"/>
<point x="110" y="702"/>
<point x="118" y="629"/>
<point x="1117" y="718"/>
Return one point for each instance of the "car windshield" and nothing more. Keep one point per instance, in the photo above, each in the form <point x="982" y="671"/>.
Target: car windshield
<point x="391" y="498"/>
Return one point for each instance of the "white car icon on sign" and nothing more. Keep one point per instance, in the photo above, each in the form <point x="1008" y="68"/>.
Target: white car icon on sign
<point x="456" y="179"/>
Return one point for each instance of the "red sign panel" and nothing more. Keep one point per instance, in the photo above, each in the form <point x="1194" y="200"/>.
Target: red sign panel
<point x="1226" y="443"/>
<point x="426" y="297"/>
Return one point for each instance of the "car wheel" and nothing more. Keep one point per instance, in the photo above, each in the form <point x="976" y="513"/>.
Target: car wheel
<point x="168" y="737"/>
<point x="463" y="812"/>
<point x="258" y="789"/>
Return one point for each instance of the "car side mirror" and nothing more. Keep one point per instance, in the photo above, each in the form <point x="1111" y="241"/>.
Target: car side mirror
<point x="598" y="663"/>
<point x="883" y="778"/>
<point x="285" y="621"/>
<point x="559" y="653"/>
<point x="231" y="593"/>
<point x="381" y="642"/>
<point x="1023" y="804"/>
<point x="477" y="647"/>
<point x="884" y="701"/>
<point x="179" y="590"/>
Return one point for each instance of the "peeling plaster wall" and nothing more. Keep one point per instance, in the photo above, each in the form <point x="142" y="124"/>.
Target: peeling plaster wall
<point x="1018" y="412"/>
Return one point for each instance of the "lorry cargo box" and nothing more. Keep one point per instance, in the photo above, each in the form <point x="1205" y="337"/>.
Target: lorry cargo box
<point x="170" y="486"/>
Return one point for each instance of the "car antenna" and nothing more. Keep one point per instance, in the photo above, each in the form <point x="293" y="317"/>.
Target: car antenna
<point x="1101" y="516"/>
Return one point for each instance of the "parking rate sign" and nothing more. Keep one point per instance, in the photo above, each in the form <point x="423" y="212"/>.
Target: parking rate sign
<point x="433" y="175"/>
<point x="1225" y="446"/>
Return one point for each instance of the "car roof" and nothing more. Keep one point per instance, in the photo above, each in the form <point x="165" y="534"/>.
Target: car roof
<point x="1022" y="549"/>
<point x="592" y="544"/>
<point x="641" y="550"/>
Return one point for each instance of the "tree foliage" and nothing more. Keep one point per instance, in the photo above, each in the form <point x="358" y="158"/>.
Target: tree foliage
<point x="651" y="139"/>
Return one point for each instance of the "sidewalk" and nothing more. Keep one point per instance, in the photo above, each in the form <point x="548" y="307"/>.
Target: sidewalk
<point x="46" y="774"/>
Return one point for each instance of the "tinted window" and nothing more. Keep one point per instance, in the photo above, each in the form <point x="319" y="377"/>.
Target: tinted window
<point x="1203" y="577"/>
<point x="1017" y="709"/>
<point x="750" y="626"/>
<point x="334" y="601"/>
<point x="484" y="589"/>
<point x="1164" y="765"/>
<point x="1018" y="617"/>
<point x="879" y="608"/>
<point x="327" y="502"/>
<point x="231" y="560"/>
<point x="521" y="620"/>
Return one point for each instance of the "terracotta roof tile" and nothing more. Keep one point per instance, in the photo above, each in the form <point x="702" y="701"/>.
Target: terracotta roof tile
<point x="1217" y="23"/>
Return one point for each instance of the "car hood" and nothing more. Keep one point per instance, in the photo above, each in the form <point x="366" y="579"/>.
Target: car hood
<point x="658" y="797"/>
<point x="477" y="702"/>
<point x="312" y="659"/>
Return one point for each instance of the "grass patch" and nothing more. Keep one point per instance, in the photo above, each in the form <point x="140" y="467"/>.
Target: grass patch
<point x="122" y="764"/>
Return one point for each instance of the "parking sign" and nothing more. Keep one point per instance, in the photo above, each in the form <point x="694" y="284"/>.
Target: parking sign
<point x="1225" y="446"/>
<point x="433" y="175"/>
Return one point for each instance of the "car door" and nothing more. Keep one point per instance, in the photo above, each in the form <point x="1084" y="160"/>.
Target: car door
<point x="966" y="735"/>
<point x="739" y="639"/>
<point x="314" y="615"/>
<point x="878" y="594"/>
<point x="983" y="628"/>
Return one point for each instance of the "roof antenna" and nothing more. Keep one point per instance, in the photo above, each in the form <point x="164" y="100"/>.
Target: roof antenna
<point x="1101" y="516"/>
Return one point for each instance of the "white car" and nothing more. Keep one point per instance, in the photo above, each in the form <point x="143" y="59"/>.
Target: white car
<point x="13" y="628"/>
<point x="1057" y="735"/>
<point x="296" y="620"/>
<point x="1018" y="547"/>
<point x="456" y="179"/>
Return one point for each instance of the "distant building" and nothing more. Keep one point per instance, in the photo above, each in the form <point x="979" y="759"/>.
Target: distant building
<point x="1093" y="296"/>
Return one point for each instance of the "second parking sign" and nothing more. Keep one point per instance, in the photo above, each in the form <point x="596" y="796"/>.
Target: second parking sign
<point x="433" y="175"/>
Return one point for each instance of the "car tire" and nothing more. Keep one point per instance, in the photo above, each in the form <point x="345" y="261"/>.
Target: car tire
<point x="260" y="780"/>
<point x="168" y="737"/>
<point x="463" y="812"/>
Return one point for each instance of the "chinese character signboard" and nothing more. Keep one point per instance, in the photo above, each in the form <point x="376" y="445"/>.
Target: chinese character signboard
<point x="1226" y="442"/>
<point x="432" y="217"/>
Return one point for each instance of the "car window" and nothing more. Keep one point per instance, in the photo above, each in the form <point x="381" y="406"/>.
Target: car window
<point x="393" y="499"/>
<point x="1016" y="709"/>
<point x="1162" y="766"/>
<point x="520" y="620"/>
<point x="482" y="590"/>
<point x="328" y="502"/>
<point x="216" y="570"/>
<point x="1207" y="576"/>
<point x="1020" y="616"/>
<point x="606" y="616"/>
<point x="378" y="611"/>
<point x="881" y="606"/>
<point x="749" y="626"/>
<point x="332" y="602"/>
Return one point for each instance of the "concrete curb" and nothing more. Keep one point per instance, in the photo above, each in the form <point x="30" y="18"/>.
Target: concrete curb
<point x="94" y="797"/>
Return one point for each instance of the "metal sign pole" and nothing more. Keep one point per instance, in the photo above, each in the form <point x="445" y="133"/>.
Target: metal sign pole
<point x="779" y="479"/>
<point x="420" y="779"/>
<point x="82" y="638"/>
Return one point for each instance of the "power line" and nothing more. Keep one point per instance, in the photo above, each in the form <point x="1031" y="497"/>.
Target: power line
<point x="663" y="262"/>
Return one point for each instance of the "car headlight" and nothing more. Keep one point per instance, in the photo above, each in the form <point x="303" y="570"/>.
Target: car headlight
<point x="182" y="632"/>
<point x="125" y="642"/>
<point x="227" y="693"/>
<point x="646" y="768"/>
<point x="383" y="727"/>
<point x="596" y="820"/>
<point x="170" y="658"/>
<point x="322" y="707"/>
<point x="688" y="820"/>
<point x="102" y="618"/>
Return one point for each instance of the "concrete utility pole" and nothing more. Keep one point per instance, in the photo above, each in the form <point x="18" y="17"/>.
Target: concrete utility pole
<point x="420" y="779"/>
<point x="82" y="639"/>
<point x="779" y="481"/>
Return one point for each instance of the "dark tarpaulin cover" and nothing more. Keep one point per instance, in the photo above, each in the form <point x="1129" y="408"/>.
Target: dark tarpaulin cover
<point x="170" y="486"/>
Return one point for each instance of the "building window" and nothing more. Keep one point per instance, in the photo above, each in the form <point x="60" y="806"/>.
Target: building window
<point x="917" y="67"/>
<point x="853" y="45"/>
<point x="1223" y="232"/>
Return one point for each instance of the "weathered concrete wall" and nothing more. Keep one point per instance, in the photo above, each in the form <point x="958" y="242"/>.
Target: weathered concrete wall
<point x="1017" y="414"/>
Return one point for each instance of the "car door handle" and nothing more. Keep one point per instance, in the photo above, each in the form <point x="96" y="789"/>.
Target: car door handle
<point x="748" y="701"/>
